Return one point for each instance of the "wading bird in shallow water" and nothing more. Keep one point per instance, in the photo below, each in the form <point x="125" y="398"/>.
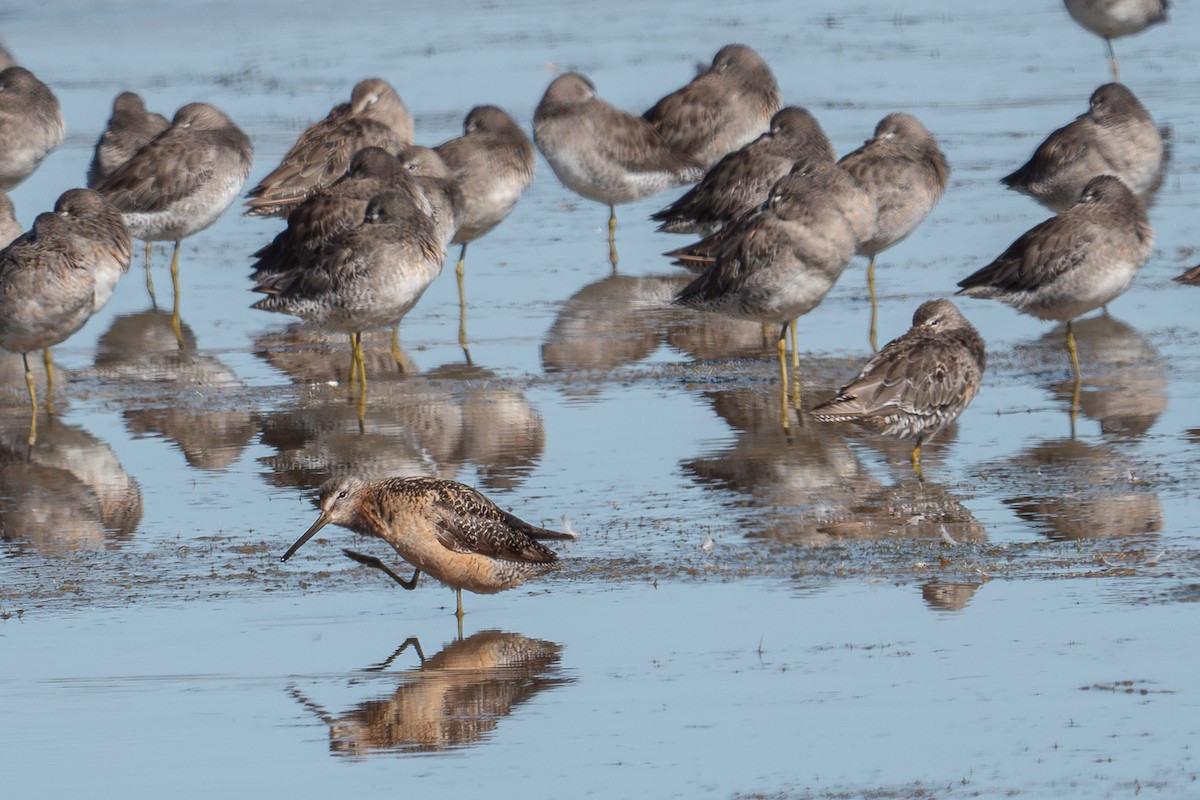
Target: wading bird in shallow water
<point x="1116" y="136"/>
<point x="905" y="172"/>
<point x="1113" y="18"/>
<point x="31" y="125"/>
<point x="603" y="153"/>
<point x="918" y="383"/>
<point x="726" y="106"/>
<point x="1073" y="263"/>
<point x="442" y="528"/>
<point x="374" y="117"/>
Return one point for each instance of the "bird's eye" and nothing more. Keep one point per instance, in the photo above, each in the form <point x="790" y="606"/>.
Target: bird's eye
<point x="342" y="494"/>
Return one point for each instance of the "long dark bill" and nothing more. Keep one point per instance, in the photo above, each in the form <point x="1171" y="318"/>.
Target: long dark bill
<point x="321" y="522"/>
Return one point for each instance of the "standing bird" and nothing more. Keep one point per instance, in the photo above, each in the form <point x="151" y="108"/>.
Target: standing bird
<point x="1115" y="137"/>
<point x="442" y="528"/>
<point x="367" y="277"/>
<point x="603" y="153"/>
<point x="778" y="264"/>
<point x="129" y="129"/>
<point x="741" y="180"/>
<point x="1112" y="18"/>
<point x="723" y="108"/>
<point x="9" y="227"/>
<point x="182" y="181"/>
<point x="905" y="172"/>
<point x="55" y="276"/>
<point x="1072" y="263"/>
<point x="31" y="125"/>
<point x="918" y="383"/>
<point x="374" y="117"/>
<point x="493" y="163"/>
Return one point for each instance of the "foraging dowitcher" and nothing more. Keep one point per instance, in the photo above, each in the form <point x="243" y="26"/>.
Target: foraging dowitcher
<point x="31" y="125"/>
<point x="493" y="163"/>
<point x="367" y="277"/>
<point x="336" y="209"/>
<point x="905" y="172"/>
<point x="1115" y="137"/>
<point x="741" y="180"/>
<point x="183" y="180"/>
<point x="779" y="263"/>
<point x="1112" y="18"/>
<point x="722" y="109"/>
<point x="1190" y="278"/>
<point x="442" y="528"/>
<point x="374" y="117"/>
<point x="1072" y="263"/>
<point x="918" y="383"/>
<point x="603" y="153"/>
<point x="9" y="227"/>
<point x="129" y="129"/>
<point x="49" y="279"/>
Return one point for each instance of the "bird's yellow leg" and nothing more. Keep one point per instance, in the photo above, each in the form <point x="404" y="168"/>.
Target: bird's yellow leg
<point x="916" y="460"/>
<point x="176" y="323"/>
<point x="1112" y="56"/>
<point x="459" y="612"/>
<point x="795" y="348"/>
<point x="32" y="399"/>
<point x="1078" y="386"/>
<point x="874" y="305"/>
<point x="462" y="299"/>
<point x="150" y="280"/>
<point x="781" y="350"/>
<point x="48" y="360"/>
<point x="612" y="236"/>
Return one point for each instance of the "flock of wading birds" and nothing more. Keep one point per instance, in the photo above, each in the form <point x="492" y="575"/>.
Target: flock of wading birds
<point x="370" y="216"/>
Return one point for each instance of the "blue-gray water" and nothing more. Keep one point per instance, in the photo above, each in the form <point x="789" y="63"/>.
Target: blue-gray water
<point x="829" y="643"/>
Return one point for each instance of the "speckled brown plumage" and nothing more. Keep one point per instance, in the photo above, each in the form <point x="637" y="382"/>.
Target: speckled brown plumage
<point x="374" y="117"/>
<point x="440" y="527"/>
<point x="918" y="383"/>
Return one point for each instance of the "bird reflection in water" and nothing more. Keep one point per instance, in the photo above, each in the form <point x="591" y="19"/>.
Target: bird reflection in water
<point x="1083" y="491"/>
<point x="949" y="595"/>
<point x="452" y="700"/>
<point x="141" y="352"/>
<point x="1124" y="387"/>
<point x="68" y="492"/>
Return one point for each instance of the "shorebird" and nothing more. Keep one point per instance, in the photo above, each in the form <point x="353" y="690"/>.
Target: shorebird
<point x="493" y="163"/>
<point x="129" y="129"/>
<point x="55" y="276"/>
<point x="918" y="383"/>
<point x="1189" y="278"/>
<point x="374" y="117"/>
<point x="721" y="109"/>
<point x="31" y="125"/>
<point x="778" y="263"/>
<point x="603" y="153"/>
<point x="905" y="172"/>
<point x="367" y="277"/>
<point x="740" y="181"/>
<point x="442" y="528"/>
<point x="1073" y="263"/>
<point x="1116" y="136"/>
<point x="1113" y="18"/>
<point x="182" y="181"/>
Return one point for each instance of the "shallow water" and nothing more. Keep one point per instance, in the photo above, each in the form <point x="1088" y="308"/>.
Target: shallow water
<point x="830" y="643"/>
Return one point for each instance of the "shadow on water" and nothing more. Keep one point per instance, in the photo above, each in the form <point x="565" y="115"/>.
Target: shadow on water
<point x="451" y="700"/>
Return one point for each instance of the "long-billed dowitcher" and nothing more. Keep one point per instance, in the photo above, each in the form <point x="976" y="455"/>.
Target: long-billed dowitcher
<point x="336" y="209"/>
<point x="374" y="117"/>
<point x="31" y="125"/>
<point x="493" y="163"/>
<point x="54" y="277"/>
<point x="918" y="383"/>
<point x="367" y="277"/>
<point x="129" y="129"/>
<point x="1073" y="263"/>
<point x="9" y="227"/>
<point x="905" y="172"/>
<point x="721" y="109"/>
<point x="741" y="180"/>
<point x="442" y="528"/>
<point x="1116" y="136"/>
<point x="183" y="180"/>
<point x="1189" y="278"/>
<point x="1113" y="18"/>
<point x="603" y="153"/>
<point x="780" y="262"/>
